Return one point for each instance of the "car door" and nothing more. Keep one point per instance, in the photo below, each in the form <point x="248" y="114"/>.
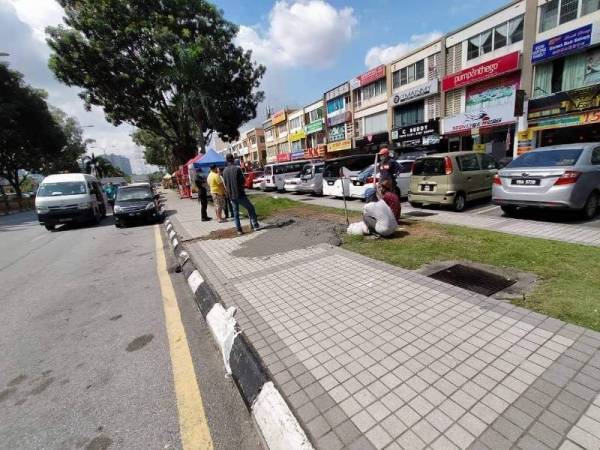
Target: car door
<point x="471" y="177"/>
<point x="489" y="168"/>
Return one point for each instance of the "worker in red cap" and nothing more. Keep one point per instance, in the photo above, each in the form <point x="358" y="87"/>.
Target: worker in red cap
<point x="388" y="169"/>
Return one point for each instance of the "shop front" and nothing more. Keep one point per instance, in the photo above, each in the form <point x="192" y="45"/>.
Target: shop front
<point x="315" y="134"/>
<point x="420" y="136"/>
<point x="488" y="121"/>
<point x="565" y="107"/>
<point x="372" y="143"/>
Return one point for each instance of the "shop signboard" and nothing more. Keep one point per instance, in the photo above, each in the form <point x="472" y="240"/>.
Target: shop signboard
<point x="415" y="93"/>
<point x="297" y="135"/>
<point x="372" y="75"/>
<point x="283" y="157"/>
<point x="337" y="133"/>
<point x="297" y="155"/>
<point x="487" y="116"/>
<point x="338" y="91"/>
<point x="278" y="117"/>
<point x="340" y="118"/>
<point x="562" y="45"/>
<point x="587" y="118"/>
<point x="338" y="146"/>
<point x="484" y="71"/>
<point x="417" y="130"/>
<point x="314" y="127"/>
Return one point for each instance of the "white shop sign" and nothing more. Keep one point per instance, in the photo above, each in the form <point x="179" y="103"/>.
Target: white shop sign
<point x="414" y="93"/>
<point x="486" y="116"/>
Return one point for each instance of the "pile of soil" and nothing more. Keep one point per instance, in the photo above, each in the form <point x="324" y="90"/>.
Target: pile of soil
<point x="286" y="234"/>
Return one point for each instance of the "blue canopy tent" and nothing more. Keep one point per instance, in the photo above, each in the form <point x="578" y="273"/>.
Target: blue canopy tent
<point x="211" y="157"/>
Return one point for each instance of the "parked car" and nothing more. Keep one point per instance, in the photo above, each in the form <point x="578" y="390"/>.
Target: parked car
<point x="136" y="203"/>
<point x="292" y="184"/>
<point x="350" y="166"/>
<point x="451" y="179"/>
<point x="557" y="177"/>
<point x="249" y="178"/>
<point x="68" y="198"/>
<point x="365" y="180"/>
<point x="309" y="180"/>
<point x="259" y="183"/>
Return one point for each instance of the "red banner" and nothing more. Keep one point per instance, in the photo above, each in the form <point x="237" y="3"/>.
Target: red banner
<point x="481" y="72"/>
<point x="372" y="75"/>
<point x="283" y="157"/>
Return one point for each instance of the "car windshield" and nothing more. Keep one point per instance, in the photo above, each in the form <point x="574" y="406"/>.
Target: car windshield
<point x="429" y="166"/>
<point x="365" y="173"/>
<point x="133" y="194"/>
<point x="307" y="170"/>
<point x="546" y="158"/>
<point x="61" y="188"/>
<point x="319" y="169"/>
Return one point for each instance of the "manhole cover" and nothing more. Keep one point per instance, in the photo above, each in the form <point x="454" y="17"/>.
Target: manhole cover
<point x="472" y="279"/>
<point x="419" y="214"/>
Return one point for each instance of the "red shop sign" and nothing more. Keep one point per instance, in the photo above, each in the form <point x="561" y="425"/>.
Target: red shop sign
<point x="484" y="71"/>
<point x="372" y="75"/>
<point x="283" y="157"/>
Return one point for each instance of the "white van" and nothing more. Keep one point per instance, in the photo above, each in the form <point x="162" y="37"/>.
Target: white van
<point x="275" y="174"/>
<point x="350" y="167"/>
<point x="67" y="198"/>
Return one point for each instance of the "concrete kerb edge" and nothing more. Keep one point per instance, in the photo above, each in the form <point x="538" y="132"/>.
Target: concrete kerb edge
<point x="279" y="426"/>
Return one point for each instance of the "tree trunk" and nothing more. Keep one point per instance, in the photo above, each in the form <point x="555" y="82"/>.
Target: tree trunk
<point x="201" y="141"/>
<point x="5" y="199"/>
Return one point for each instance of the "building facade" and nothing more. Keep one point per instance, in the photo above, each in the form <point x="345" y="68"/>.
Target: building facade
<point x="339" y="120"/>
<point x="296" y="135"/>
<point x="369" y="100"/>
<point x="414" y="105"/>
<point x="314" y="129"/>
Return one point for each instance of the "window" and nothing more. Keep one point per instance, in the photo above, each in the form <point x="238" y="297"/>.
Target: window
<point x="261" y="139"/>
<point x="500" y="36"/>
<point x="568" y="10"/>
<point x="410" y="114"/>
<point x="548" y="15"/>
<point x="375" y="123"/>
<point x="596" y="156"/>
<point x="336" y="104"/>
<point x="297" y="146"/>
<point x="589" y="6"/>
<point x="548" y="158"/>
<point x="373" y="90"/>
<point x="468" y="163"/>
<point x="315" y="114"/>
<point x="295" y="123"/>
<point x="509" y="32"/>
<point x="487" y="162"/>
<point x="409" y="74"/>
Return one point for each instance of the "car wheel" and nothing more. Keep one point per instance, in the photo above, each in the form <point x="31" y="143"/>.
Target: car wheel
<point x="416" y="205"/>
<point x="508" y="210"/>
<point x="460" y="201"/>
<point x="591" y="206"/>
<point x="49" y="227"/>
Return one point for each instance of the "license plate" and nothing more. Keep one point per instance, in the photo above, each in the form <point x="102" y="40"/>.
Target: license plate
<point x="330" y="183"/>
<point x="134" y="214"/>
<point x="427" y="188"/>
<point x="65" y="219"/>
<point x="526" y="182"/>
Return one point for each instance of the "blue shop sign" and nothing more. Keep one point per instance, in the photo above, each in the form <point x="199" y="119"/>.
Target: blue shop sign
<point x="562" y="45"/>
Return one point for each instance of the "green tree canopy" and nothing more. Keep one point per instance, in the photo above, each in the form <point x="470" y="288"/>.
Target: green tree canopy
<point x="156" y="149"/>
<point x="30" y="138"/>
<point x="168" y="67"/>
<point x="75" y="145"/>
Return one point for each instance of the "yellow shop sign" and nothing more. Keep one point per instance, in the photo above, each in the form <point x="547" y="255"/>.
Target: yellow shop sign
<point x="296" y="136"/>
<point x="339" y="146"/>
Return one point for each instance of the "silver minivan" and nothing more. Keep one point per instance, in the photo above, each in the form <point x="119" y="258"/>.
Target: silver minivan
<point x="559" y="177"/>
<point x="68" y="198"/>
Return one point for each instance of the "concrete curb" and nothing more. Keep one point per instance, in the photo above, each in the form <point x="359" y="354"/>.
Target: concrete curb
<point x="279" y="427"/>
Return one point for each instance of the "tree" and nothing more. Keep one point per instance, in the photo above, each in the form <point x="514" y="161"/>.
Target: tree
<point x="168" y="67"/>
<point x="101" y="167"/>
<point x="76" y="146"/>
<point x="30" y="138"/>
<point x="156" y="149"/>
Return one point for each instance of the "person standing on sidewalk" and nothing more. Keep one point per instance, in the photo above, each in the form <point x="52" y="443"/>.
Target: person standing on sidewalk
<point x="389" y="169"/>
<point x="202" y="195"/>
<point x="217" y="190"/>
<point x="234" y="182"/>
<point x="228" y="208"/>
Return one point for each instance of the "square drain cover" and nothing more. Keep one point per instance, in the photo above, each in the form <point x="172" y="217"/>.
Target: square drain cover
<point x="472" y="279"/>
<point x="419" y="214"/>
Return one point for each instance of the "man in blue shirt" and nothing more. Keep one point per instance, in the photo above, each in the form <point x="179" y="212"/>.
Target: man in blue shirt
<point x="234" y="183"/>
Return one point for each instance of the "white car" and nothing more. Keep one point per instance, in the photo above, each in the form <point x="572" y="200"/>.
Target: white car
<point x="258" y="183"/>
<point x="364" y="180"/>
<point x="292" y="184"/>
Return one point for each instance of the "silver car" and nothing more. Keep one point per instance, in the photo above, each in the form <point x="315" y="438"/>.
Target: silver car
<point x="560" y="177"/>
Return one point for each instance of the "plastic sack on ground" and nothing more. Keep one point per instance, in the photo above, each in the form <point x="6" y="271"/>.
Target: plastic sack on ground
<point x="358" y="229"/>
<point x="380" y="213"/>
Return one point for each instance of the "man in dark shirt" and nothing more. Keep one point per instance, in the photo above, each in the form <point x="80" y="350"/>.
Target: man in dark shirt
<point x="388" y="169"/>
<point x="234" y="183"/>
<point x="202" y="195"/>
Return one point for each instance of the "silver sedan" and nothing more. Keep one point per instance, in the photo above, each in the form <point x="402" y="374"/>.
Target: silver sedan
<point x="560" y="177"/>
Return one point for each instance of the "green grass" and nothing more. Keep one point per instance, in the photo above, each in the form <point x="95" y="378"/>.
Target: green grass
<point x="569" y="274"/>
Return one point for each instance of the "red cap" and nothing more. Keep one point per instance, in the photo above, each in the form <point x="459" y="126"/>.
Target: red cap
<point x="384" y="152"/>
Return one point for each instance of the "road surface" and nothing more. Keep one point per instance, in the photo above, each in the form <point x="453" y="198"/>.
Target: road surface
<point x="87" y="346"/>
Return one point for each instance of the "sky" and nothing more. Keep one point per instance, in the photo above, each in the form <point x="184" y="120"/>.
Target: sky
<point x="307" y="46"/>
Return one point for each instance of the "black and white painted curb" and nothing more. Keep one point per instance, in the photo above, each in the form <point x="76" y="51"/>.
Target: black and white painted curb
<point x="278" y="425"/>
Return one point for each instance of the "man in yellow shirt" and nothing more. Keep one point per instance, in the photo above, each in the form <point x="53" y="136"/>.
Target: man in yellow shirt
<point x="217" y="191"/>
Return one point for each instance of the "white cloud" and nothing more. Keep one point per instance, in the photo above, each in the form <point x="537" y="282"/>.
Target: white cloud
<point x="385" y="55"/>
<point x="38" y="14"/>
<point x="302" y="33"/>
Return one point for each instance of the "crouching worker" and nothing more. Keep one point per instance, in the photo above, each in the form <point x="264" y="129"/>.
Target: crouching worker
<point x="382" y="216"/>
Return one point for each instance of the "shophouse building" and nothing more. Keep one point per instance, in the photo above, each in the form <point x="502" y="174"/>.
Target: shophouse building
<point x="314" y="130"/>
<point x="369" y="100"/>
<point x="338" y="118"/>
<point x="270" y="140"/>
<point x="280" y="124"/>
<point x="255" y="138"/>
<point x="414" y="105"/>
<point x="481" y="88"/>
<point x="564" y="105"/>
<point x="296" y="136"/>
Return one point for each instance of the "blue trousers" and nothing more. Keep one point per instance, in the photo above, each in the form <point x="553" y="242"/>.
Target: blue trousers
<point x="245" y="202"/>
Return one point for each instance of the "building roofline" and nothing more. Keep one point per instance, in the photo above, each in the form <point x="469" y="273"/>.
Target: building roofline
<point x="417" y="50"/>
<point x="479" y="19"/>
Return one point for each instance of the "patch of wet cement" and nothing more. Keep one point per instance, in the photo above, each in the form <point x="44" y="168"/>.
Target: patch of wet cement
<point x="292" y="235"/>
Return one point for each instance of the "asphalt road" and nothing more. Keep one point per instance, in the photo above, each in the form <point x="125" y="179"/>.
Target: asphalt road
<point x="85" y="359"/>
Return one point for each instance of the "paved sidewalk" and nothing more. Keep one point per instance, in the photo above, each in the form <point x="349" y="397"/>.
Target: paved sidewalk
<point x="575" y="234"/>
<point x="373" y="356"/>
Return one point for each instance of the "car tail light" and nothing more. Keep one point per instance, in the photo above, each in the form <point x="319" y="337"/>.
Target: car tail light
<point x="569" y="177"/>
<point x="447" y="165"/>
<point x="497" y="180"/>
<point x="369" y="180"/>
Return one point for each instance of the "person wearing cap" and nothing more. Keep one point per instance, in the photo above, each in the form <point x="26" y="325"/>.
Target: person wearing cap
<point x="388" y="169"/>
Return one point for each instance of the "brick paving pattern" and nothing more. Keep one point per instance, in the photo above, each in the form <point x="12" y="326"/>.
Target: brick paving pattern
<point x="373" y="356"/>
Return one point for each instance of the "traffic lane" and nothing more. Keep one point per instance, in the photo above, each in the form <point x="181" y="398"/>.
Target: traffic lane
<point x="85" y="355"/>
